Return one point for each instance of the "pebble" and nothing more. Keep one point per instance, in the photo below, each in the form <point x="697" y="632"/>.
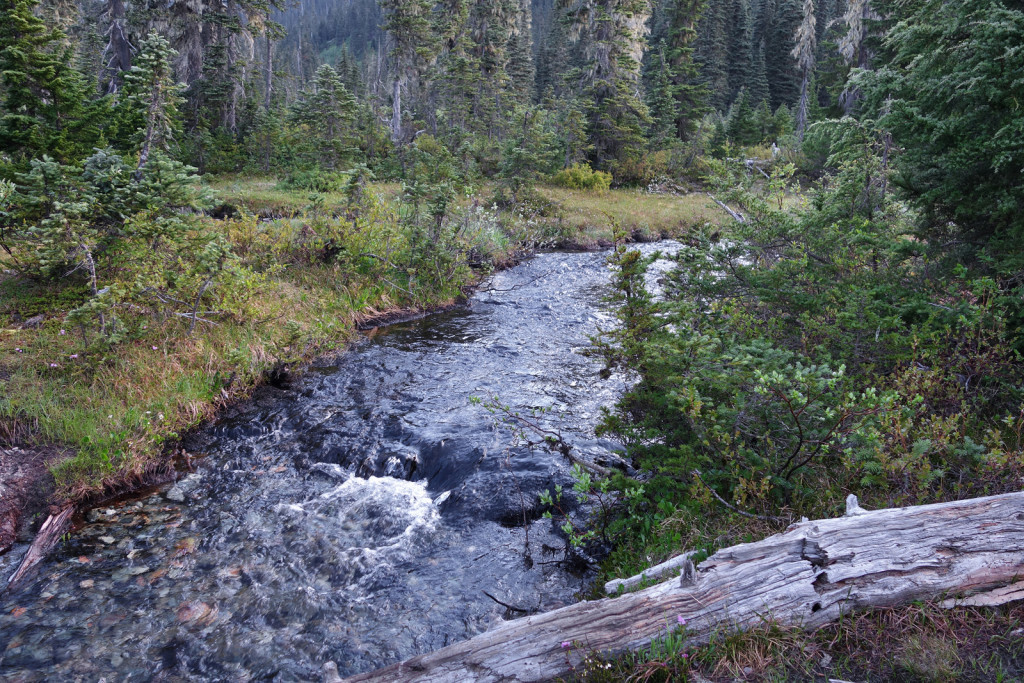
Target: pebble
<point x="109" y="540"/>
<point x="88" y="583"/>
<point x="175" y="494"/>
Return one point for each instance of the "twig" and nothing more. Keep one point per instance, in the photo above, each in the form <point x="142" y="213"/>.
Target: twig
<point x="195" y="306"/>
<point x="723" y="501"/>
<point x="506" y="605"/>
<point x="736" y="215"/>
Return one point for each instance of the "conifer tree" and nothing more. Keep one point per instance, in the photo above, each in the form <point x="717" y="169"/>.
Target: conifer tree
<point x="740" y="51"/>
<point x="853" y="45"/>
<point x="688" y="93"/>
<point x="614" y="31"/>
<point x="151" y="98"/>
<point x="660" y="102"/>
<point x="521" y="69"/>
<point x="414" y="47"/>
<point x="711" y="55"/>
<point x="803" y="53"/>
<point x="46" y="103"/>
<point x="328" y="112"/>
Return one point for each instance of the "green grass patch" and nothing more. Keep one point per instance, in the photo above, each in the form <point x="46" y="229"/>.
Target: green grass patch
<point x="585" y="213"/>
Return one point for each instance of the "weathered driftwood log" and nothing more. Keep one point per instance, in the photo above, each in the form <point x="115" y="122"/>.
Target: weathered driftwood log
<point x="651" y="573"/>
<point x="968" y="551"/>
<point x="49" y="534"/>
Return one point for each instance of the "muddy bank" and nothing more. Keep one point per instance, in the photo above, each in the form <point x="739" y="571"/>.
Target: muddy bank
<point x="26" y="487"/>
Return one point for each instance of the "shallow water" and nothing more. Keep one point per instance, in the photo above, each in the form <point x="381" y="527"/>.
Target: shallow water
<point x="357" y="516"/>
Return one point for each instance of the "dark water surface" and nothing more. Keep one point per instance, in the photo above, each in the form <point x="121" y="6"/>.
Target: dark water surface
<point x="357" y="516"/>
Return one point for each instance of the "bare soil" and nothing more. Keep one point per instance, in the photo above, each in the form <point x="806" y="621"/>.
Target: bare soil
<point x="26" y="489"/>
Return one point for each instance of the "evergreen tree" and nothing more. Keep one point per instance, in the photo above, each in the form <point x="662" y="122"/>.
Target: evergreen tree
<point x="711" y="55"/>
<point x="150" y="100"/>
<point x="741" y="125"/>
<point x="661" y="102"/>
<point x="803" y="53"/>
<point x="614" y="31"/>
<point x="520" y="68"/>
<point x="414" y="47"/>
<point x="756" y="83"/>
<point x="783" y="78"/>
<point x="327" y="111"/>
<point x="46" y="103"/>
<point x="853" y="46"/>
<point x="950" y="95"/>
<point x="741" y="49"/>
<point x="688" y="92"/>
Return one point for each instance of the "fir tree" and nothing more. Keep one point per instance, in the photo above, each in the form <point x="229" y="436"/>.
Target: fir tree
<point x="661" y="102"/>
<point x="614" y="31"/>
<point x="711" y="56"/>
<point x="689" y="94"/>
<point x="46" y="103"/>
<point x="803" y="52"/>
<point x="780" y="33"/>
<point x="414" y="47"/>
<point x="150" y="99"/>
<point x="740" y="51"/>
<point x="327" y="111"/>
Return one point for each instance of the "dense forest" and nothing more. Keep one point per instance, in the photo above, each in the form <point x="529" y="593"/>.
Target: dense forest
<point x="847" y="317"/>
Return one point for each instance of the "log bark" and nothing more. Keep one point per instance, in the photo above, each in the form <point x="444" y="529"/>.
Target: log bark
<point x="967" y="552"/>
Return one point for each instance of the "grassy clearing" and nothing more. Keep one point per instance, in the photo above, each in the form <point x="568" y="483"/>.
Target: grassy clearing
<point x="915" y="643"/>
<point x="264" y="196"/>
<point x="645" y="215"/>
<point x="579" y="214"/>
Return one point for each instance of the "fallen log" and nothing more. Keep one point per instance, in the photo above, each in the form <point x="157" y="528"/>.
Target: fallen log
<point x="49" y="534"/>
<point x="968" y="552"/>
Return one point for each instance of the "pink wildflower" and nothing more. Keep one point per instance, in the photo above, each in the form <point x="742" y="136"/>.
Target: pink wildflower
<point x="53" y="365"/>
<point x="681" y="620"/>
<point x="154" y="348"/>
<point x="566" y="644"/>
<point x="74" y="355"/>
<point x="63" y="332"/>
<point x="18" y="350"/>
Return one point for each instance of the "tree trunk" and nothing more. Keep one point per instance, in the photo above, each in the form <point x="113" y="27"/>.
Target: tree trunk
<point x="801" y="111"/>
<point x="396" y="111"/>
<point x="268" y="75"/>
<point x="967" y="552"/>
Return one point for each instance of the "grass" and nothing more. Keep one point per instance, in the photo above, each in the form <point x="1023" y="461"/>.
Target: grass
<point x="913" y="643"/>
<point x="646" y="216"/>
<point x="118" y="407"/>
<point x="264" y="196"/>
<point x="582" y="215"/>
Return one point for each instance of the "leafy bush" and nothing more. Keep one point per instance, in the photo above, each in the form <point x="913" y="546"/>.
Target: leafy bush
<point x="582" y="177"/>
<point x="819" y="351"/>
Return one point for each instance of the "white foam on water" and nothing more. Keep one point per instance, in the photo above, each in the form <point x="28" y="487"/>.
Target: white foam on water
<point x="373" y="522"/>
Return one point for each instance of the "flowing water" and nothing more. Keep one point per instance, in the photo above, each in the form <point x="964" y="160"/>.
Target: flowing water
<point x="358" y="515"/>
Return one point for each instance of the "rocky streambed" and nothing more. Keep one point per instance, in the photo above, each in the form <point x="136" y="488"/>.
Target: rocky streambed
<point x="367" y="512"/>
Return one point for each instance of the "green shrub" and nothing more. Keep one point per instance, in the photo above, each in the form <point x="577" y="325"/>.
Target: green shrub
<point x="582" y="177"/>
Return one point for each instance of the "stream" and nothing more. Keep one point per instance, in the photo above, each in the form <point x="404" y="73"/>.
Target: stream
<point x="356" y="515"/>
